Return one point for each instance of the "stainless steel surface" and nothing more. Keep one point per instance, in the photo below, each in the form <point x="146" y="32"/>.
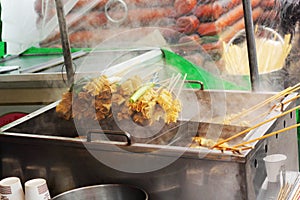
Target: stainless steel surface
<point x="46" y="141"/>
<point x="31" y="89"/>
<point x="104" y="192"/>
<point x="5" y="69"/>
<point x="52" y="63"/>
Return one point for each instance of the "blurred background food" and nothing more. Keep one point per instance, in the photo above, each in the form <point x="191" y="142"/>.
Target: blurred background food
<point x="208" y="22"/>
<point x="192" y="25"/>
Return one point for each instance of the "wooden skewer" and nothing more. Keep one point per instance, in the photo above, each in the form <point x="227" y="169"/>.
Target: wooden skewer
<point x="284" y="191"/>
<point x="292" y="99"/>
<point x="275" y="106"/>
<point x="267" y="135"/>
<point x="274" y="97"/>
<point x="297" y="195"/>
<point x="255" y="126"/>
<point x="171" y="81"/>
<point x="181" y="85"/>
<point x="246" y="148"/>
<point x="174" y="83"/>
<point x="228" y="148"/>
<point x="280" y="194"/>
<point x="294" y="188"/>
<point x="259" y="116"/>
<point x="288" y="189"/>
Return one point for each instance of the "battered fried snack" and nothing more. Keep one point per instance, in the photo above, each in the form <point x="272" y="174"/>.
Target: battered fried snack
<point x="64" y="108"/>
<point x="155" y="105"/>
<point x="171" y="106"/>
<point x="94" y="99"/>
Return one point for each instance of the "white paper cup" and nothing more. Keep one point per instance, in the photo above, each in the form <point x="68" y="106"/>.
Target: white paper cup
<point x="11" y="189"/>
<point x="36" y="189"/>
<point x="274" y="164"/>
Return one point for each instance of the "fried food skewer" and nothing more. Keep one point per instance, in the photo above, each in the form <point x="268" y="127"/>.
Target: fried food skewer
<point x="208" y="143"/>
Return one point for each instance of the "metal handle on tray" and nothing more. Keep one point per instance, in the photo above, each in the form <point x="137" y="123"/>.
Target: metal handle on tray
<point x="196" y="82"/>
<point x="114" y="133"/>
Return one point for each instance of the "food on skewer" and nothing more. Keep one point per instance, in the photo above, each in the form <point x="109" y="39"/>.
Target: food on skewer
<point x="199" y="142"/>
<point x="64" y="108"/>
<point x="204" y="142"/>
<point x="222" y="144"/>
<point x="94" y="99"/>
<point x="154" y="105"/>
<point x="89" y="99"/>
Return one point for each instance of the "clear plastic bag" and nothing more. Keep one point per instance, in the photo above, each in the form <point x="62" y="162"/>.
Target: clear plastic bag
<point x="27" y="22"/>
<point x="19" y="28"/>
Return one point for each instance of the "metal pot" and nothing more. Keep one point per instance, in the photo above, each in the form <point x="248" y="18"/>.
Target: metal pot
<point x="104" y="192"/>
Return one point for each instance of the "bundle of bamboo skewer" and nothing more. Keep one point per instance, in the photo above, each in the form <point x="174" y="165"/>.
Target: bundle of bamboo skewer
<point x="272" y="51"/>
<point x="290" y="191"/>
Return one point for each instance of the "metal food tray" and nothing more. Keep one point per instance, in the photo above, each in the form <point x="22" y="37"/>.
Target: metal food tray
<point x="41" y="144"/>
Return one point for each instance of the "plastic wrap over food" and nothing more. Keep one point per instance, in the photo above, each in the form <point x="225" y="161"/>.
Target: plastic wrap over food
<point x="18" y="25"/>
<point x="27" y="22"/>
<point x="190" y="27"/>
<point x="205" y="22"/>
<point x="92" y="21"/>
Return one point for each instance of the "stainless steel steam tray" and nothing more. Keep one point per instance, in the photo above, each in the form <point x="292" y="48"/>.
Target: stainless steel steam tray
<point x="52" y="146"/>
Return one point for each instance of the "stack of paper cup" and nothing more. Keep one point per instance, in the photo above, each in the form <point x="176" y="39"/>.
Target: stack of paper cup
<point x="11" y="189"/>
<point x="274" y="164"/>
<point x="36" y="189"/>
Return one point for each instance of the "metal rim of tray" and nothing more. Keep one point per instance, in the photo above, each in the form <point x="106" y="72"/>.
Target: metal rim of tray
<point x="103" y="186"/>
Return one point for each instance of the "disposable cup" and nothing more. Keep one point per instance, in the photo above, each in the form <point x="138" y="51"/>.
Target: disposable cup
<point x="275" y="163"/>
<point x="11" y="189"/>
<point x="36" y="189"/>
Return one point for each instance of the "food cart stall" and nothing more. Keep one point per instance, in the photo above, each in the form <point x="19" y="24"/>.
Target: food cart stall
<point x="166" y="160"/>
<point x="43" y="145"/>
